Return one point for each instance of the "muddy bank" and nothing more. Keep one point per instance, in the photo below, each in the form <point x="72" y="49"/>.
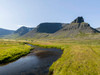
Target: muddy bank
<point x="37" y="62"/>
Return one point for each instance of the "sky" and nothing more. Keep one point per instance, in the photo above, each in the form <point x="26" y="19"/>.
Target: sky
<point x="30" y="13"/>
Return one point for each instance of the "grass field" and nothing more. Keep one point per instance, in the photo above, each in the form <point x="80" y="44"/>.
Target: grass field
<point x="80" y="57"/>
<point x="12" y="50"/>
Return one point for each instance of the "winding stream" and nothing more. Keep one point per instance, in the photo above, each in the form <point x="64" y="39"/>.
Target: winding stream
<point x="37" y="62"/>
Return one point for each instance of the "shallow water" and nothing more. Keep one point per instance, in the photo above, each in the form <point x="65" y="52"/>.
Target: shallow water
<point x="32" y="64"/>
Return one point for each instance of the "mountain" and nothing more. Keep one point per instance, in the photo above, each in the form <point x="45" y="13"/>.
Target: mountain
<point x="4" y="32"/>
<point x="44" y="29"/>
<point x="98" y="29"/>
<point x="78" y="27"/>
<point x="22" y="30"/>
<point x="75" y="28"/>
<point x="48" y="27"/>
<point x="18" y="33"/>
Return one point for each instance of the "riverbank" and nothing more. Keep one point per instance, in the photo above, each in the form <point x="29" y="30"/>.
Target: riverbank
<point x="12" y="50"/>
<point x="79" y="56"/>
<point x="37" y="62"/>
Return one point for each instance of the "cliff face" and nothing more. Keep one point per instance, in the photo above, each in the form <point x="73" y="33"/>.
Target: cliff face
<point x="48" y="27"/>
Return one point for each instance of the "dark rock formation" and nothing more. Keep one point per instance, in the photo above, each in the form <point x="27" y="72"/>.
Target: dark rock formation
<point x="49" y="27"/>
<point x="78" y="20"/>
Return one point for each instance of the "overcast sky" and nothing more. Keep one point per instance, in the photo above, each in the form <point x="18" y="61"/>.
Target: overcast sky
<point x="16" y="13"/>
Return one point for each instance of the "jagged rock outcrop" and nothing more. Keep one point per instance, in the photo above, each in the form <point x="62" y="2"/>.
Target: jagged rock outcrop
<point x="78" y="20"/>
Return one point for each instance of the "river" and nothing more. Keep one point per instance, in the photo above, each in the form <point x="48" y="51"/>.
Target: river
<point x="37" y="62"/>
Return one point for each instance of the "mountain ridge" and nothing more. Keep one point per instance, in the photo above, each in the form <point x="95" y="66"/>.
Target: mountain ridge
<point x="18" y="33"/>
<point x="76" y="27"/>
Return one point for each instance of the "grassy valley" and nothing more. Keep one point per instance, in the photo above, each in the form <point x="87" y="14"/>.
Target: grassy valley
<point x="79" y="42"/>
<point x="49" y="37"/>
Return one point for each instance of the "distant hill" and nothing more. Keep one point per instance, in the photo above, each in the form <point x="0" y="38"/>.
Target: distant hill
<point x="18" y="33"/>
<point x="4" y="32"/>
<point x="22" y="30"/>
<point x="61" y="30"/>
<point x="98" y="29"/>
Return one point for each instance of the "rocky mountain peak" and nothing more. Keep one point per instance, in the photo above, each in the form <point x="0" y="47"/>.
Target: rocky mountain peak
<point x="78" y="20"/>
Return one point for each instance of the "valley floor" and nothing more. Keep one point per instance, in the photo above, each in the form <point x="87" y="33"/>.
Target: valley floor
<point x="80" y="57"/>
